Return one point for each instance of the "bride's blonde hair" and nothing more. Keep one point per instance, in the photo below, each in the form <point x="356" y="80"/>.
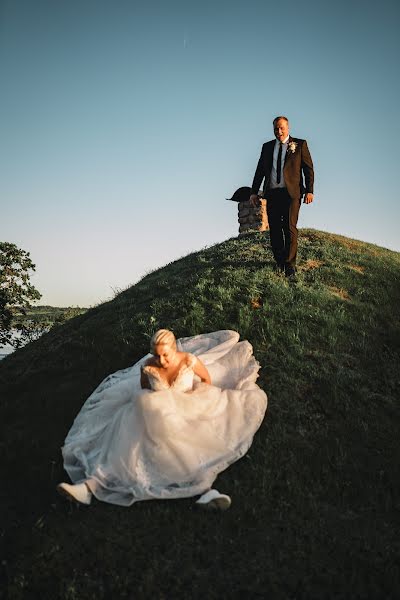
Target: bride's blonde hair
<point x="163" y="336"/>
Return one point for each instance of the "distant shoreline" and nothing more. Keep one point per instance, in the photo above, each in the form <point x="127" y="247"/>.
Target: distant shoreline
<point x="45" y="317"/>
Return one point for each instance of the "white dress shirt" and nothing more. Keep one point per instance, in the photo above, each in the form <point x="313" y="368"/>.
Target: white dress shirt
<point x="272" y="181"/>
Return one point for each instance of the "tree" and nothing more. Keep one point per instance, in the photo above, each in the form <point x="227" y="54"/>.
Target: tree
<point x="16" y="290"/>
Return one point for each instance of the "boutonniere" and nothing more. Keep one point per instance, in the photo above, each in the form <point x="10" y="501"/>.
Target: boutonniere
<point x="292" y="146"/>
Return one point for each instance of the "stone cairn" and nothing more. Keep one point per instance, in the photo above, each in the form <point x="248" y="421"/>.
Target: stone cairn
<point x="251" y="218"/>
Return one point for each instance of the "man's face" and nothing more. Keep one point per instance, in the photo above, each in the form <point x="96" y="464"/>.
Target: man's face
<point x="281" y="129"/>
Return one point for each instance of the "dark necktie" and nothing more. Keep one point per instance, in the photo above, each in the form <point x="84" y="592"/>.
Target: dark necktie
<point x="279" y="164"/>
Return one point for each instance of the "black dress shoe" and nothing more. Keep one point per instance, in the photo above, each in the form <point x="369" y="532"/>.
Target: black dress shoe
<point x="290" y="272"/>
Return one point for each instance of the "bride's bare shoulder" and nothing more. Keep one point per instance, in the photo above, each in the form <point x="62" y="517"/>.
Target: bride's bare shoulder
<point x="188" y="359"/>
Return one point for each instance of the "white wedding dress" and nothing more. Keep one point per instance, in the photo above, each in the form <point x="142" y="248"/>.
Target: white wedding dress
<point x="170" y="441"/>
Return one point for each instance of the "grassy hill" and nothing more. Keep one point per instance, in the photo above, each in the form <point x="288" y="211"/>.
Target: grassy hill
<point x="315" y="501"/>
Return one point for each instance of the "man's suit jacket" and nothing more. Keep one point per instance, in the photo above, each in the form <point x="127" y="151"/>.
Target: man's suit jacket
<point x="297" y="164"/>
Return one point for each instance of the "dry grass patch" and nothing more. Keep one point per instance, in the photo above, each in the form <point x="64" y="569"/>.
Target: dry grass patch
<point x="256" y="303"/>
<point x="339" y="292"/>
<point x="375" y="251"/>
<point x="358" y="246"/>
<point x="352" y="245"/>
<point x="311" y="264"/>
<point x="357" y="268"/>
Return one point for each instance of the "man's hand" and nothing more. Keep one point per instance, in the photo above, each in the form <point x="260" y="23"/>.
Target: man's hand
<point x="308" y="198"/>
<point x="253" y="199"/>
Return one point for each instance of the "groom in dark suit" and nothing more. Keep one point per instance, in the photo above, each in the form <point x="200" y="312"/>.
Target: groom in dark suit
<point x="283" y="164"/>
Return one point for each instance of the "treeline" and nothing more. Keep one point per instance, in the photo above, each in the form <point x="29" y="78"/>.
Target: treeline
<point x="51" y="314"/>
<point x="37" y="320"/>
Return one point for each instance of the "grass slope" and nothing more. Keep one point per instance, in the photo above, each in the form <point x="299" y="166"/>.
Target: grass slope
<point x="315" y="501"/>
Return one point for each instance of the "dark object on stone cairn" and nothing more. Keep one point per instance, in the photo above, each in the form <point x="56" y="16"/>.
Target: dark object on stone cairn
<point x="242" y="194"/>
<point x="251" y="218"/>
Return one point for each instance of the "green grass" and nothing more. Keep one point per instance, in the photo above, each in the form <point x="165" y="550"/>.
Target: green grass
<point x="315" y="510"/>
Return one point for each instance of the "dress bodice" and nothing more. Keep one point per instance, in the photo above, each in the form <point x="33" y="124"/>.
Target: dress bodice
<point x="183" y="381"/>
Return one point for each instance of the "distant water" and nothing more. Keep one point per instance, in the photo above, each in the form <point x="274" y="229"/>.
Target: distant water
<point x="5" y="350"/>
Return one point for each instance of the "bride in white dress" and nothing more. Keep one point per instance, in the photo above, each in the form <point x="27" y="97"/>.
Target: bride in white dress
<point x="165" y="427"/>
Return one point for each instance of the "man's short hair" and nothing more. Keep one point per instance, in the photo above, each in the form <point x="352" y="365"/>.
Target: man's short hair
<point x="277" y="119"/>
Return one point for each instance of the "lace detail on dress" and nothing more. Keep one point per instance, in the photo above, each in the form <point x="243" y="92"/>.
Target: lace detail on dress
<point x="183" y="380"/>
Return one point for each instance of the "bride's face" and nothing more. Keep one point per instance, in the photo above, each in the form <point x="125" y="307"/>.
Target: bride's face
<point x="165" y="354"/>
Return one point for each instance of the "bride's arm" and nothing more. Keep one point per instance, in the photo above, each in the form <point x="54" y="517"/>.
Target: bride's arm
<point x="201" y="371"/>
<point x="144" y="380"/>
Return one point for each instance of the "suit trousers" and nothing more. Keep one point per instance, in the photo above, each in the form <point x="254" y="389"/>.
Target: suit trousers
<point x="283" y="213"/>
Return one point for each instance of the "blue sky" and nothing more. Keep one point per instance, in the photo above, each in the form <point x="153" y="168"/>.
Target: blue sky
<point x="125" y="125"/>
